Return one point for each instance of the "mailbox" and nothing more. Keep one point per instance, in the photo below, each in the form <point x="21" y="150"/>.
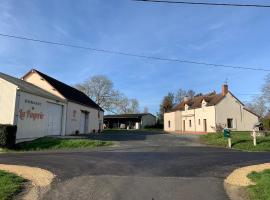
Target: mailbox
<point x="227" y="133"/>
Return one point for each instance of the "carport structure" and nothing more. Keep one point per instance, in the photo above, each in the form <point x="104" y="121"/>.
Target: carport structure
<point x="115" y="121"/>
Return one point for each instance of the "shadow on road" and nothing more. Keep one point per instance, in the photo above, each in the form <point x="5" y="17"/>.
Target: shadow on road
<point x="123" y="135"/>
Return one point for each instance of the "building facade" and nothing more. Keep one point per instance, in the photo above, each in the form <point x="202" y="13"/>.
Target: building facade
<point x="82" y="114"/>
<point x="42" y="106"/>
<point x="36" y="113"/>
<point x="209" y="113"/>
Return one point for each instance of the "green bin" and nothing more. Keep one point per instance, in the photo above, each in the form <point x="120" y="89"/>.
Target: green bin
<point x="227" y="133"/>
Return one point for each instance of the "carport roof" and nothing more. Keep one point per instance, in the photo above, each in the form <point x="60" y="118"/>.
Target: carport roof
<point x="28" y="87"/>
<point x="139" y="115"/>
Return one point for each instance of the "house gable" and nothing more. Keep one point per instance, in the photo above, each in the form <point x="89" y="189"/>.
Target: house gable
<point x="65" y="91"/>
<point x="231" y="108"/>
<point x="36" y="79"/>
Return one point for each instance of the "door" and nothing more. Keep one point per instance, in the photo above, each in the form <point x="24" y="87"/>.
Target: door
<point x="204" y="125"/>
<point x="55" y="113"/>
<point x="82" y="122"/>
<point x="184" y="125"/>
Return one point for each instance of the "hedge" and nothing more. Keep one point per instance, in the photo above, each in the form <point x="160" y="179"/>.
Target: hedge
<point x="7" y="136"/>
<point x="266" y="123"/>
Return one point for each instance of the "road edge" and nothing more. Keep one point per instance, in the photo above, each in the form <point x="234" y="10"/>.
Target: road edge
<point x="40" y="180"/>
<point x="236" y="183"/>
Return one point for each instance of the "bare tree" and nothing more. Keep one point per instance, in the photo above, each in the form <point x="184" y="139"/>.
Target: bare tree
<point x="190" y="94"/>
<point x="145" y="109"/>
<point x="258" y="106"/>
<point x="127" y="106"/>
<point x="181" y="94"/>
<point x="100" y="89"/>
<point x="266" y="89"/>
<point x="134" y="106"/>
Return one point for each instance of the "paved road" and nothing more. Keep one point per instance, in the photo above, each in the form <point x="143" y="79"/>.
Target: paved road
<point x="143" y="166"/>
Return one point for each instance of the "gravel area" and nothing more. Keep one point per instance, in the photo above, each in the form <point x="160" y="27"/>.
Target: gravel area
<point x="239" y="176"/>
<point x="40" y="180"/>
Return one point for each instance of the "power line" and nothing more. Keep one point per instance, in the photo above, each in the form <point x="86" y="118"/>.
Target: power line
<point x="133" y="55"/>
<point x="206" y="3"/>
<point x="248" y="94"/>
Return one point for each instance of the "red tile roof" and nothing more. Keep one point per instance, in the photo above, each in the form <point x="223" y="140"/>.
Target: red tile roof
<point x="211" y="99"/>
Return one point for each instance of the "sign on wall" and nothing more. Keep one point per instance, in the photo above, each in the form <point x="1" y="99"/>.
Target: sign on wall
<point x="31" y="114"/>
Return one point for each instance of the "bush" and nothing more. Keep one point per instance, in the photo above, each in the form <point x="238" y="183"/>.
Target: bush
<point x="266" y="124"/>
<point x="8" y="136"/>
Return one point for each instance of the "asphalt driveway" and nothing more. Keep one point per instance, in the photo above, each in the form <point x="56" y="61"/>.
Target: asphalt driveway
<point x="141" y="166"/>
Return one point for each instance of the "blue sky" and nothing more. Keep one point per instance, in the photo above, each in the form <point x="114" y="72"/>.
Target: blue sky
<point x="224" y="35"/>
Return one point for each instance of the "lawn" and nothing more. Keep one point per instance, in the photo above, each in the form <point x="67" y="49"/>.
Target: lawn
<point x="240" y="140"/>
<point x="260" y="191"/>
<point x="49" y="143"/>
<point x="10" y="185"/>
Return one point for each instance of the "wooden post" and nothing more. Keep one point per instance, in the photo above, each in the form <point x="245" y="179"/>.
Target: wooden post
<point x="229" y="142"/>
<point x="254" y="137"/>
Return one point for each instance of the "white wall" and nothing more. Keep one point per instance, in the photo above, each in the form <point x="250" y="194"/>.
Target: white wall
<point x="73" y="118"/>
<point x="7" y="102"/>
<point x="169" y="121"/>
<point x="148" y="120"/>
<point x="32" y="116"/>
<point x="188" y="115"/>
<point x="230" y="107"/>
<point x="249" y="119"/>
<point x="208" y="113"/>
<point x="37" y="80"/>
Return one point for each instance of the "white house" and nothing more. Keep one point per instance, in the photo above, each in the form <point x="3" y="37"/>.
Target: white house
<point x="40" y="106"/>
<point x="83" y="115"/>
<point x="36" y="112"/>
<point x="206" y="113"/>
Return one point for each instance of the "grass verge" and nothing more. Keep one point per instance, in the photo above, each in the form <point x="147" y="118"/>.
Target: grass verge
<point x="49" y="143"/>
<point x="240" y="140"/>
<point x="260" y="191"/>
<point x="10" y="185"/>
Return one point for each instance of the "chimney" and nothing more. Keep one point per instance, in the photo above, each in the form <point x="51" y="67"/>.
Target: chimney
<point x="186" y="98"/>
<point x="225" y="89"/>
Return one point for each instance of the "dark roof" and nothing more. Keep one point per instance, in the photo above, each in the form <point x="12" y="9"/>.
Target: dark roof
<point x="29" y="87"/>
<point x="139" y="115"/>
<point x="69" y="92"/>
<point x="211" y="99"/>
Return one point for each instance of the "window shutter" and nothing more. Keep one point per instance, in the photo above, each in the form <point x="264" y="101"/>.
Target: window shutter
<point x="234" y="123"/>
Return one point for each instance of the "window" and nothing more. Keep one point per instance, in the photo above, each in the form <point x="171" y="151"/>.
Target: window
<point x="199" y="121"/>
<point x="204" y="103"/>
<point x="169" y="124"/>
<point x="230" y="123"/>
<point x="190" y="123"/>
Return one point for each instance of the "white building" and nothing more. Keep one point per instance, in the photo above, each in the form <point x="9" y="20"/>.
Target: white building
<point x="206" y="113"/>
<point x="40" y="106"/>
<point x="83" y="115"/>
<point x="35" y="112"/>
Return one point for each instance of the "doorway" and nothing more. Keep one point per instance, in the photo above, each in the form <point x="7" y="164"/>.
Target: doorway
<point x="84" y="122"/>
<point x="184" y="125"/>
<point x="55" y="114"/>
